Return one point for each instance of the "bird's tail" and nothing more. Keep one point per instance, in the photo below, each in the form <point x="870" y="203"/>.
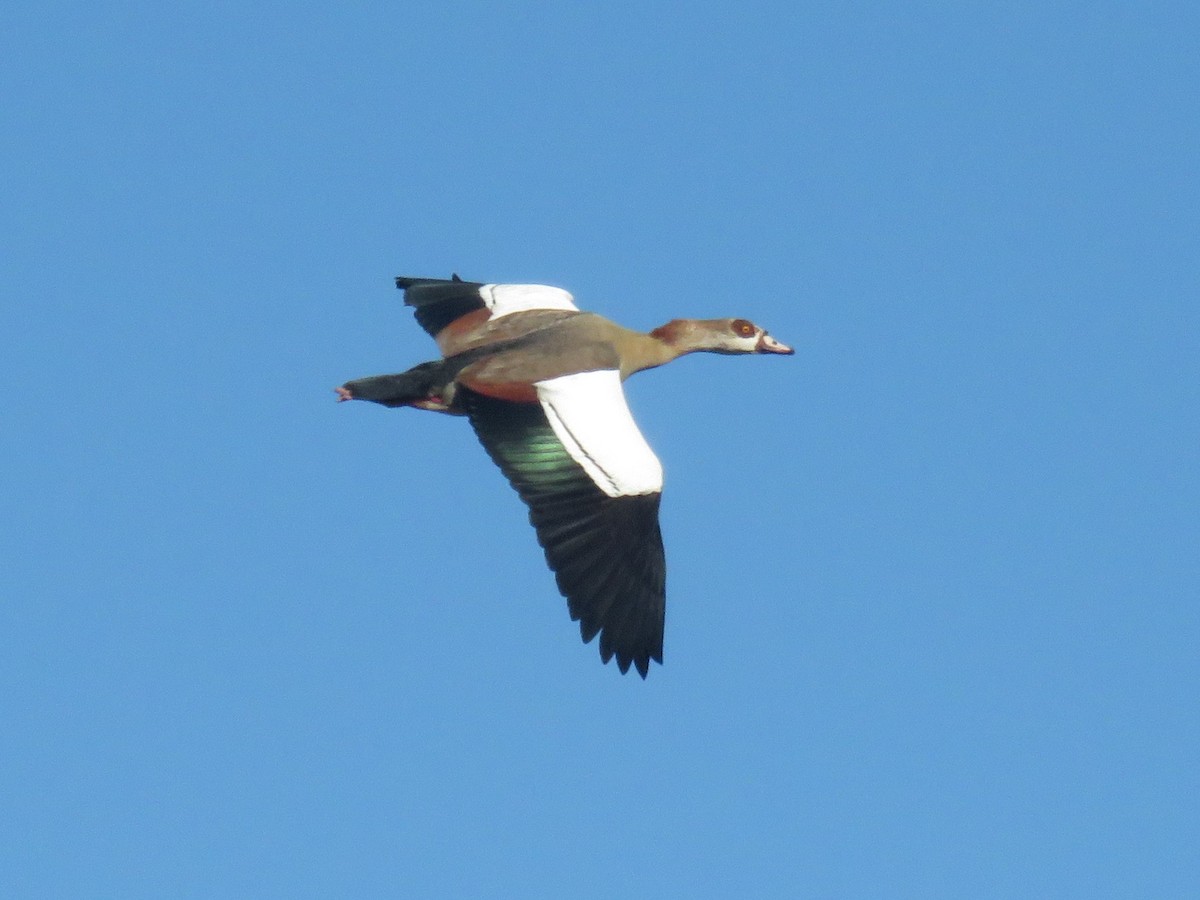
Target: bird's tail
<point x="418" y="385"/>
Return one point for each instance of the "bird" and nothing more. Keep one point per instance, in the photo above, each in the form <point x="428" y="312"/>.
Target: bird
<point x="540" y="382"/>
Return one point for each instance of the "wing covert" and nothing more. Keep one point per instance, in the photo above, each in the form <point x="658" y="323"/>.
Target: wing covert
<point x="439" y="302"/>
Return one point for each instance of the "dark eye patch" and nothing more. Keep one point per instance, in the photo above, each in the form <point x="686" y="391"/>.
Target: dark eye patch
<point x="742" y="328"/>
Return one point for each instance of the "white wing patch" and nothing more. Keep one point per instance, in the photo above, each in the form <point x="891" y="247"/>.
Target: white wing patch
<point x="503" y="299"/>
<point x="589" y="415"/>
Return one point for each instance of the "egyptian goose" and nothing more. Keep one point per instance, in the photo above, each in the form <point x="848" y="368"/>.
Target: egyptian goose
<point x="540" y="382"/>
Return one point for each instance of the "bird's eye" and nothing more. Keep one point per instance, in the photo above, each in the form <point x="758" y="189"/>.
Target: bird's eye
<point x="742" y="328"/>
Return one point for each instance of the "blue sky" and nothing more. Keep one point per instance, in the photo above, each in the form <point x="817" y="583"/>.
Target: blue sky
<point x="932" y="592"/>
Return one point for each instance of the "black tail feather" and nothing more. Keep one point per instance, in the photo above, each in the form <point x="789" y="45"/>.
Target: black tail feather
<point x="402" y="389"/>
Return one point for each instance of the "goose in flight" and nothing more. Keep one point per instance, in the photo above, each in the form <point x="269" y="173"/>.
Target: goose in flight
<point x="540" y="383"/>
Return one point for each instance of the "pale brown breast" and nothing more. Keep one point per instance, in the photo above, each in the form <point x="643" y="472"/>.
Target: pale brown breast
<point x="580" y="342"/>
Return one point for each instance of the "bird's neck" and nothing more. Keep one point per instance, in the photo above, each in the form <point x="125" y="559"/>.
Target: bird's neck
<point x="660" y="346"/>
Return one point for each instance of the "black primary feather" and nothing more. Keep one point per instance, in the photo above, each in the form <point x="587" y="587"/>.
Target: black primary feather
<point x="438" y="302"/>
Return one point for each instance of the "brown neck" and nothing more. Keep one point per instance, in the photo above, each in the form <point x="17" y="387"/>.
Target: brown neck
<point x="639" y="350"/>
<point x="660" y="346"/>
<point x="682" y="336"/>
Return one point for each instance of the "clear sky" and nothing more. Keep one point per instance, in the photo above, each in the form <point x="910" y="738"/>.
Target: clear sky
<point x="933" y="623"/>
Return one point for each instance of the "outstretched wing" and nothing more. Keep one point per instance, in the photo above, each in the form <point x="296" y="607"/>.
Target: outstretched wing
<point x="439" y="302"/>
<point x="593" y="487"/>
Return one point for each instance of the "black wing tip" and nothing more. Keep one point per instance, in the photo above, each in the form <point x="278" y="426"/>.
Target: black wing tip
<point x="640" y="661"/>
<point x="404" y="282"/>
<point x="589" y="630"/>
